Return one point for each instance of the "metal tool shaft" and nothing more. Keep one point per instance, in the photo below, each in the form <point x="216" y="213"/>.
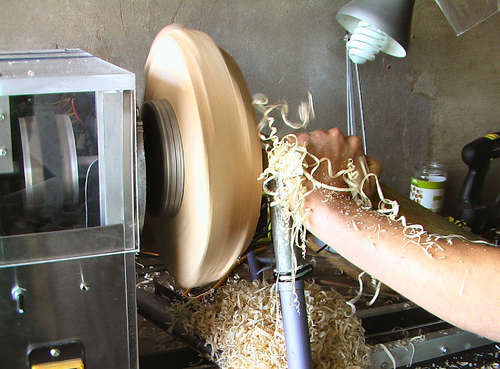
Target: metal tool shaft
<point x="293" y="310"/>
<point x="293" y="305"/>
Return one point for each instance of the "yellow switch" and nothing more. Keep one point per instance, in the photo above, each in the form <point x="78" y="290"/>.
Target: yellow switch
<point x="64" y="364"/>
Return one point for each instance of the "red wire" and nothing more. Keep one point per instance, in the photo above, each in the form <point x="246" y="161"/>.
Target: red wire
<point x="74" y="109"/>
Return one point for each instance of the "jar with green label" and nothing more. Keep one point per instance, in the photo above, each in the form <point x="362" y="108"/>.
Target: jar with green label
<point x="428" y="186"/>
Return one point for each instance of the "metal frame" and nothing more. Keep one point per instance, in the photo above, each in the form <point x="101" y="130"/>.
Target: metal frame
<point x="6" y="162"/>
<point x="85" y="73"/>
<point x="92" y="300"/>
<point x="417" y="347"/>
<point x="425" y="347"/>
<point x="79" y="283"/>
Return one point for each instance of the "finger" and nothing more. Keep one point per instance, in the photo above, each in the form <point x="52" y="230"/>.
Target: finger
<point x="320" y="144"/>
<point x="336" y="132"/>
<point x="354" y="143"/>
<point x="302" y="139"/>
<point x="319" y="136"/>
<point x="374" y="166"/>
<point x="354" y="147"/>
<point x="326" y="143"/>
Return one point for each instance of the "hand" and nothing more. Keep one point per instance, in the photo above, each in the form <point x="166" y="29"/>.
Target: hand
<point x="338" y="149"/>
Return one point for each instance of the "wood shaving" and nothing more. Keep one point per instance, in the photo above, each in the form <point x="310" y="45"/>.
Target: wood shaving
<point x="241" y="326"/>
<point x="375" y="295"/>
<point x="355" y="299"/>
<point x="391" y="357"/>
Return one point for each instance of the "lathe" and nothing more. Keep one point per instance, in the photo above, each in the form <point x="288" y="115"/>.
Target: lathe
<point x="76" y="187"/>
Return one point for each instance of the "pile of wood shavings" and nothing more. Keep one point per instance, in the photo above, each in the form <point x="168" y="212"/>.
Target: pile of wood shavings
<point x="240" y="325"/>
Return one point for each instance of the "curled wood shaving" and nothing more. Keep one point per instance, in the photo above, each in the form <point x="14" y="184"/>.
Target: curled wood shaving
<point x="389" y="354"/>
<point x="355" y="299"/>
<point x="241" y="325"/>
<point x="375" y="295"/>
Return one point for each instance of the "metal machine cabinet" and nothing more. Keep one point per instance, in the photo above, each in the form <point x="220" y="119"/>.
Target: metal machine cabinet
<point x="68" y="211"/>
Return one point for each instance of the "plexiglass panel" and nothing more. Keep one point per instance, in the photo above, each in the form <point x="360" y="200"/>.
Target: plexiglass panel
<point x="465" y="14"/>
<point x="54" y="184"/>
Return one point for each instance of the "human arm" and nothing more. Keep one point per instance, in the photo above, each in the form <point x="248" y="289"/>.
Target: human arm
<point x="459" y="284"/>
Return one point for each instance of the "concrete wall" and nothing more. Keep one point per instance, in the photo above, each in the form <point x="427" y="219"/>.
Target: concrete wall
<point x="443" y="95"/>
<point x="461" y="78"/>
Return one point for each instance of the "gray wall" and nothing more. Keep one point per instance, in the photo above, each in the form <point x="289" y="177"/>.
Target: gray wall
<point x="443" y="95"/>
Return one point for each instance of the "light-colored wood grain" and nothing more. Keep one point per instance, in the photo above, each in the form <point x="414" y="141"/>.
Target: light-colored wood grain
<point x="222" y="156"/>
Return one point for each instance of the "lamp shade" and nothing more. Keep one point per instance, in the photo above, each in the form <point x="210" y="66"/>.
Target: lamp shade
<point x="393" y="17"/>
